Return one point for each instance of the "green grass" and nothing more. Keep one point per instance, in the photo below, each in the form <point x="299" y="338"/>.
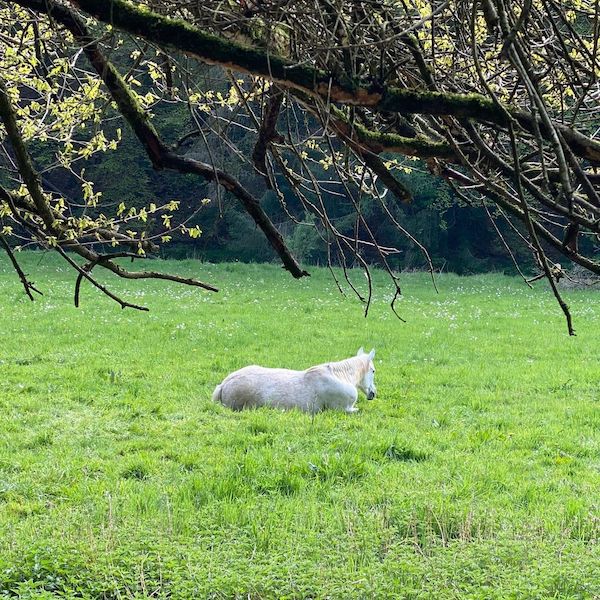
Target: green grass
<point x="475" y="473"/>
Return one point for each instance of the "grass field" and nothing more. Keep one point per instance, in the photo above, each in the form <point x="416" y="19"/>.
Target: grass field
<point x="475" y="473"/>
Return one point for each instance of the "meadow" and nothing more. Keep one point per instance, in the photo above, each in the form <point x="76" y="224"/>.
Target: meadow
<point x="475" y="473"/>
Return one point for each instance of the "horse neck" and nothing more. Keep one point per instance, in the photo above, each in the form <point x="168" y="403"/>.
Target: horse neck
<point x="351" y="370"/>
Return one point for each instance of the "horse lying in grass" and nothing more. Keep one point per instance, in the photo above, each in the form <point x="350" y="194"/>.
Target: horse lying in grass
<point x="331" y="385"/>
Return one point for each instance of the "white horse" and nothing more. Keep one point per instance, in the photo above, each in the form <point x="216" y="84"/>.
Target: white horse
<point x="331" y="385"/>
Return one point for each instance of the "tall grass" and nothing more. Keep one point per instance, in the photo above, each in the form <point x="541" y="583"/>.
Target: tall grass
<point x="475" y="473"/>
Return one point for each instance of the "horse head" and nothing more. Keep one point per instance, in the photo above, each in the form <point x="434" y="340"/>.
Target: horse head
<point x="367" y="383"/>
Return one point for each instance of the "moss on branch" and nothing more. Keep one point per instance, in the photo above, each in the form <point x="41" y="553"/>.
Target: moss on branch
<point x="473" y="106"/>
<point x="378" y="142"/>
<point x="209" y="48"/>
<point x="390" y="142"/>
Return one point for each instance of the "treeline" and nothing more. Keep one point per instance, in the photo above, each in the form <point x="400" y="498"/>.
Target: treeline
<point x="459" y="238"/>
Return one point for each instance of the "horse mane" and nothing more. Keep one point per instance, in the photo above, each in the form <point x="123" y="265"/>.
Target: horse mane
<point x="351" y="369"/>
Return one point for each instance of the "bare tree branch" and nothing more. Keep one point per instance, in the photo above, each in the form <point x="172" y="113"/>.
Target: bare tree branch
<point x="27" y="285"/>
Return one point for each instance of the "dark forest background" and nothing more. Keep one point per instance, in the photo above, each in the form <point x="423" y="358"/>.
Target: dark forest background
<point x="459" y="238"/>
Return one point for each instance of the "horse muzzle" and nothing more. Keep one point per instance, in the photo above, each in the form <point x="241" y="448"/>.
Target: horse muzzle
<point x="370" y="394"/>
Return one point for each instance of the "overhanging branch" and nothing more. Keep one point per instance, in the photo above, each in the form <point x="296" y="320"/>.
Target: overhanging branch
<point x="212" y="49"/>
<point x="160" y="155"/>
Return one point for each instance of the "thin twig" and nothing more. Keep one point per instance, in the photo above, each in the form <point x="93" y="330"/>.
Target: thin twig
<point x="27" y="285"/>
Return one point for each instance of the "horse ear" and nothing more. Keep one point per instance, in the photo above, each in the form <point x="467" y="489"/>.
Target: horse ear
<point x="372" y="354"/>
<point x="360" y="352"/>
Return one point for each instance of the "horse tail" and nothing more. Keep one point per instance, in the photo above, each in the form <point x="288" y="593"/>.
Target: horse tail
<point x="216" y="397"/>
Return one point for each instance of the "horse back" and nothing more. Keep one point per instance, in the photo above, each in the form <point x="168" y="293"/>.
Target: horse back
<point x="254" y="386"/>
